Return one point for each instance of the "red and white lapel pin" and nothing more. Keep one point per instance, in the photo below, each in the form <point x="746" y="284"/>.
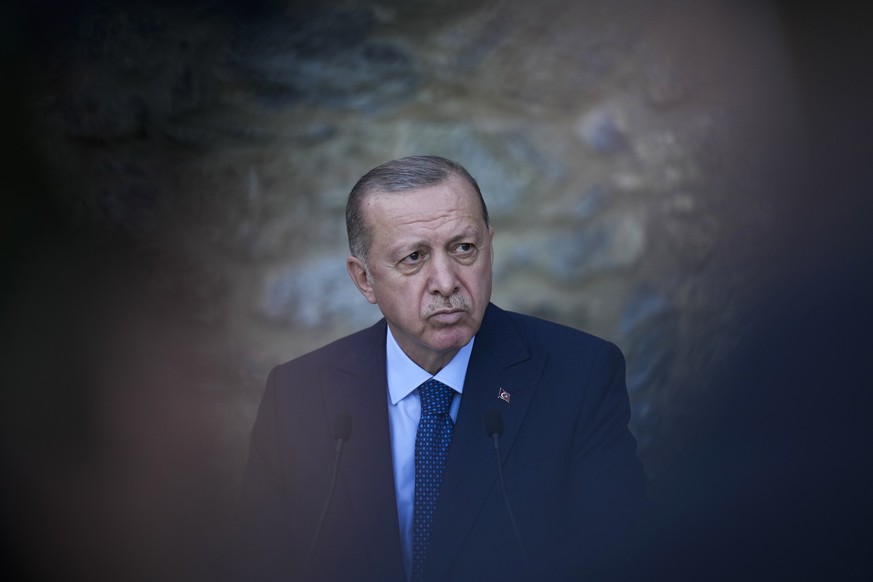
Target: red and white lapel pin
<point x="503" y="395"/>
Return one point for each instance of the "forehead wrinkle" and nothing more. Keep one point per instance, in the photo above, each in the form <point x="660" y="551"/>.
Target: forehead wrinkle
<point x="459" y="228"/>
<point x="414" y="219"/>
<point x="402" y="224"/>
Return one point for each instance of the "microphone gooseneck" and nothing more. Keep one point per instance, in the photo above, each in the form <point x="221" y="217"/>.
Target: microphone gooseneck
<point x="342" y="428"/>
<point x="342" y="431"/>
<point x="494" y="426"/>
<point x="494" y="429"/>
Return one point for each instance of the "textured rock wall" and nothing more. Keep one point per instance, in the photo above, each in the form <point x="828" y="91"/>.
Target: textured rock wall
<point x="630" y="152"/>
<point x="617" y="145"/>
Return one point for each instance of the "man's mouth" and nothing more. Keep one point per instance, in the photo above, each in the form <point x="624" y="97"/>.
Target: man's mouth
<point x="447" y="316"/>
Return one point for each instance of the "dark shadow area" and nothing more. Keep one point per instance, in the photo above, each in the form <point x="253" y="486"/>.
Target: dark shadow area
<point x="779" y="487"/>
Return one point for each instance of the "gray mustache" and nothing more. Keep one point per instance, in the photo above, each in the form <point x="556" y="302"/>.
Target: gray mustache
<point x="453" y="302"/>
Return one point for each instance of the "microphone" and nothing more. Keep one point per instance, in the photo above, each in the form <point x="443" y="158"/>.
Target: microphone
<point x="494" y="429"/>
<point x="342" y="431"/>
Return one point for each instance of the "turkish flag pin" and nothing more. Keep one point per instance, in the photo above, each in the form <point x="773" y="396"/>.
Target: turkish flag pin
<point x="503" y="395"/>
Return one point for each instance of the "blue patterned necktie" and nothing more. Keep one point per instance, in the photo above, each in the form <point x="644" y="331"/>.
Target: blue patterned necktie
<point x="431" y="447"/>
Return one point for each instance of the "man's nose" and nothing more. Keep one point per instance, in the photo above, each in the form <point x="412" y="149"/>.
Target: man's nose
<point x="443" y="279"/>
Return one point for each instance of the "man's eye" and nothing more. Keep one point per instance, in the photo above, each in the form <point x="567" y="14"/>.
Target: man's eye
<point x="413" y="257"/>
<point x="465" y="247"/>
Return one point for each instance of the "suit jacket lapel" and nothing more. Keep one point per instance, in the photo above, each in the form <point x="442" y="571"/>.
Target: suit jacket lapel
<point x="358" y="387"/>
<point x="500" y="359"/>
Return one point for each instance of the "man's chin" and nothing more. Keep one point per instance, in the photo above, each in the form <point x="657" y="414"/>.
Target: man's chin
<point x="451" y="338"/>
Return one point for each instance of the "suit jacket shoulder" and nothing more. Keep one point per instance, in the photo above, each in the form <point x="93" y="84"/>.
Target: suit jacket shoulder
<point x="354" y="353"/>
<point x="548" y="336"/>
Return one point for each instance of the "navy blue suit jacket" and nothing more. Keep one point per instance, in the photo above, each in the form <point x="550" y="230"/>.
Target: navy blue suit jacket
<point x="569" y="462"/>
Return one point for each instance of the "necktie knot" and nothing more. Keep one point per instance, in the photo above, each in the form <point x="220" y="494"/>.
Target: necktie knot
<point x="436" y="397"/>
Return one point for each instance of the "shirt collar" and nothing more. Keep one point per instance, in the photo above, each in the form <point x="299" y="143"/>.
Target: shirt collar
<point x="404" y="375"/>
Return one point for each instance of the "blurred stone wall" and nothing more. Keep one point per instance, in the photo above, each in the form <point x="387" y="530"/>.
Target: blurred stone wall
<point x="631" y="153"/>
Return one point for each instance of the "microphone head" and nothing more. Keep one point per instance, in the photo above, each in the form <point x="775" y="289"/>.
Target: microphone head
<point x="342" y="427"/>
<point x="493" y="422"/>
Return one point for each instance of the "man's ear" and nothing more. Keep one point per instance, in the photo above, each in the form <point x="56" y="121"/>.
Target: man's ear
<point x="358" y="273"/>
<point x="491" y="243"/>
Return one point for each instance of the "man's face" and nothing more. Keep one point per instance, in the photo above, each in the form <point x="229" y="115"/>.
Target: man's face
<point x="428" y="268"/>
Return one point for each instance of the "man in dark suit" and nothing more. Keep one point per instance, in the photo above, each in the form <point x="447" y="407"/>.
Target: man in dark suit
<point x="418" y="495"/>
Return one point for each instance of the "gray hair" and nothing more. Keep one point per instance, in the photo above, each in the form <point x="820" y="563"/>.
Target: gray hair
<point x="409" y="173"/>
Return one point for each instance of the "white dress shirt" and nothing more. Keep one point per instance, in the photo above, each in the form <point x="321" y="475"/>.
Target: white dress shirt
<point x="404" y="411"/>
